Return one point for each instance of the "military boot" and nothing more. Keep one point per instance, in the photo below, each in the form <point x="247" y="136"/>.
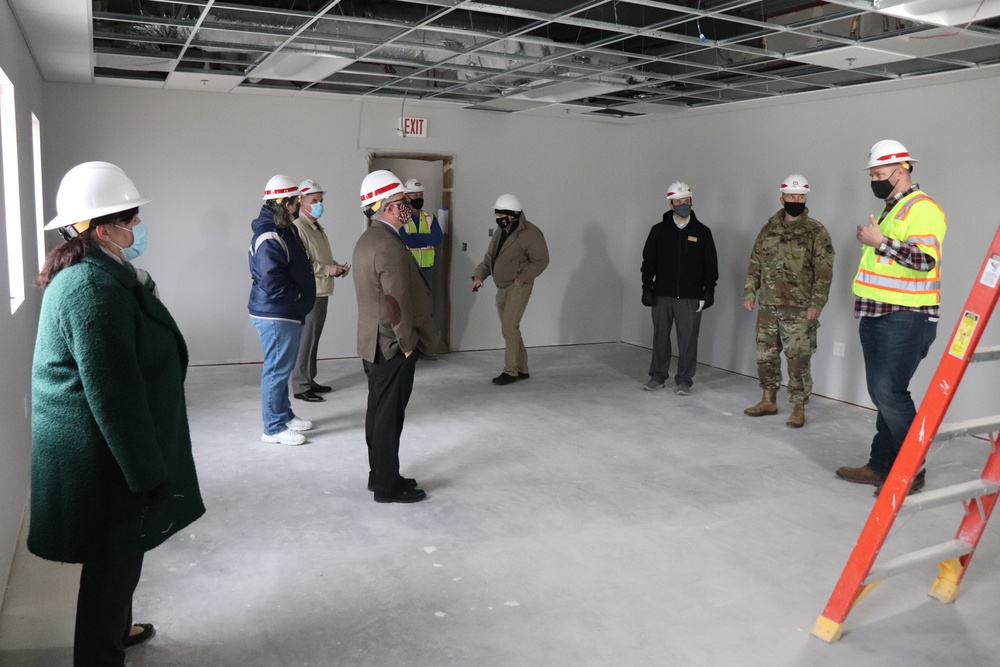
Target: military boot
<point x="798" y="417"/>
<point x="768" y="405"/>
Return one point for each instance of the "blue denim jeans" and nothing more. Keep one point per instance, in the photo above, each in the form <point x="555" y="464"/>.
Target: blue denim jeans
<point x="280" y="340"/>
<point x="893" y="346"/>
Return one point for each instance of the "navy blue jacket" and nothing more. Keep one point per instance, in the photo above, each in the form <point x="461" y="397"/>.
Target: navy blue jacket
<point x="283" y="283"/>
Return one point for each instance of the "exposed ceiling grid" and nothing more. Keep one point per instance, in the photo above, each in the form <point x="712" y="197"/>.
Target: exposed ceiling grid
<point x="613" y="59"/>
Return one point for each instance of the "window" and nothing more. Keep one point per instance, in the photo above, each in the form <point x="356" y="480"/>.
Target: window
<point x="11" y="192"/>
<point x="36" y="151"/>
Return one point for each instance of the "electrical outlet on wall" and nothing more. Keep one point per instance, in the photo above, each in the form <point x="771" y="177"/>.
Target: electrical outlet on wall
<point x="838" y="349"/>
<point x="490" y="232"/>
<point x="465" y="246"/>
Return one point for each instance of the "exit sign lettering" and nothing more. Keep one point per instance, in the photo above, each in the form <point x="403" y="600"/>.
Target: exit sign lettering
<point x="413" y="127"/>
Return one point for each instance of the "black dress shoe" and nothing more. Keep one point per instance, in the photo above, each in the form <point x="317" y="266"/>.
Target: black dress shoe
<point x="402" y="483"/>
<point x="403" y="496"/>
<point x="504" y="378"/>
<point x="523" y="376"/>
<point x="320" y="388"/>
<point x="309" y="396"/>
<point x="147" y="633"/>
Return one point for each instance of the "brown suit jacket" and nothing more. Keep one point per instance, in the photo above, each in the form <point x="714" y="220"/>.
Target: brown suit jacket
<point x="394" y="301"/>
<point x="524" y="255"/>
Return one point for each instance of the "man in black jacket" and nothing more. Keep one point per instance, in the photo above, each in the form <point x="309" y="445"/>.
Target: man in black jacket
<point x="679" y="273"/>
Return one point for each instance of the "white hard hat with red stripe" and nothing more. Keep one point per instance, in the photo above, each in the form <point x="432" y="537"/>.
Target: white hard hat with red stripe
<point x="379" y="185"/>
<point x="679" y="190"/>
<point x="795" y="184"/>
<point x="310" y="187"/>
<point x="888" y="151"/>
<point x="280" y="186"/>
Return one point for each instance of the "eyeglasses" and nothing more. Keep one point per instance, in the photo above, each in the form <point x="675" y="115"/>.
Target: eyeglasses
<point x="399" y="202"/>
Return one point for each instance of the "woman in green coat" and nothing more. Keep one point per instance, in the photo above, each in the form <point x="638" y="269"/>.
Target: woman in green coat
<point x="112" y="474"/>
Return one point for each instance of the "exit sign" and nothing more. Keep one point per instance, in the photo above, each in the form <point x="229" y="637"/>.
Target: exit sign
<point x="413" y="127"/>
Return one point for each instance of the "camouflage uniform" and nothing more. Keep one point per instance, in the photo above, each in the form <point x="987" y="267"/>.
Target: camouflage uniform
<point x="791" y="265"/>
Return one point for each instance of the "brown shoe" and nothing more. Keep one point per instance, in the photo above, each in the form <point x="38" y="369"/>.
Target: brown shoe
<point x="862" y="475"/>
<point x="798" y="417"/>
<point x="918" y="484"/>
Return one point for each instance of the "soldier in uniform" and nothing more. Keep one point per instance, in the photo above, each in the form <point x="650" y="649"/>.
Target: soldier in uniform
<point x="791" y="266"/>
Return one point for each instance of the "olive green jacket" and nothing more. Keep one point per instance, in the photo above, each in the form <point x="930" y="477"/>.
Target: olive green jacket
<point x="109" y="421"/>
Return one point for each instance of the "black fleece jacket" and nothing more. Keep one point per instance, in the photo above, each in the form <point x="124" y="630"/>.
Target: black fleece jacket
<point x="680" y="263"/>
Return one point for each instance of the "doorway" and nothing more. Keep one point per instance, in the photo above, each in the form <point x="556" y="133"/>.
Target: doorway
<point x="435" y="172"/>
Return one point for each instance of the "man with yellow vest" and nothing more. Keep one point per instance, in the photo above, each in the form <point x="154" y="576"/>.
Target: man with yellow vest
<point x="897" y="299"/>
<point x="422" y="233"/>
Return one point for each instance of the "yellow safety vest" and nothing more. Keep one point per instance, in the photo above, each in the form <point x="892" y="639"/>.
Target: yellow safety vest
<point x="916" y="219"/>
<point x="424" y="256"/>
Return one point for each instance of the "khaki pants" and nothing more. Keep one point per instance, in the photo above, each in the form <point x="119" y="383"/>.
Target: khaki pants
<point x="511" y="302"/>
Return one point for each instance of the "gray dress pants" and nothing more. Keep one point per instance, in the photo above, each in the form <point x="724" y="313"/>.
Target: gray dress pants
<point x="668" y="313"/>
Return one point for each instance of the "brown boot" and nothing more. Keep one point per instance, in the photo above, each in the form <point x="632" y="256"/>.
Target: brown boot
<point x="768" y="405"/>
<point x="797" y="418"/>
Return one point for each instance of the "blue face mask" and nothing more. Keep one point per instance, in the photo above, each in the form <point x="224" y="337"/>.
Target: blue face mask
<point x="316" y="209"/>
<point x="138" y="242"/>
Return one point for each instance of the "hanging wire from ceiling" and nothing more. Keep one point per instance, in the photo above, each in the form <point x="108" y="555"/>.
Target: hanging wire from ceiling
<point x="960" y="30"/>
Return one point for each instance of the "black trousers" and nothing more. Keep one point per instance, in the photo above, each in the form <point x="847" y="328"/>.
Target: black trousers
<point x="390" y="383"/>
<point x="104" y="612"/>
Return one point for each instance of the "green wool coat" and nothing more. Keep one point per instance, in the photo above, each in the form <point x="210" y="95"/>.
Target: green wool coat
<point x="109" y="418"/>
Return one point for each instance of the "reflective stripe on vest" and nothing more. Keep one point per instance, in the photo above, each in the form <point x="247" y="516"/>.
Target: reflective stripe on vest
<point x="424" y="256"/>
<point x="883" y="279"/>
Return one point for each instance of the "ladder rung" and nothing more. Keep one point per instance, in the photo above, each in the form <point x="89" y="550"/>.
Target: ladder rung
<point x="988" y="353"/>
<point x="978" y="426"/>
<point x="948" y="494"/>
<point x="934" y="554"/>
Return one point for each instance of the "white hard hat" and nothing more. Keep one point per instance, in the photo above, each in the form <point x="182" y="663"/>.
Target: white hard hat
<point x="888" y="151"/>
<point x="413" y="185"/>
<point x="379" y="185"/>
<point x="310" y="187"/>
<point x="679" y="190"/>
<point x="795" y="184"/>
<point x="507" y="203"/>
<point x="280" y="186"/>
<point x="93" y="189"/>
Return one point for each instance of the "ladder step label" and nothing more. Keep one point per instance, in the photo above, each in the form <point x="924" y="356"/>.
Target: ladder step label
<point x="966" y="328"/>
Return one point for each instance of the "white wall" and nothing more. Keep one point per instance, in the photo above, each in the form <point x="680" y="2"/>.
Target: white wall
<point x="734" y="162"/>
<point x="204" y="158"/>
<point x="17" y="331"/>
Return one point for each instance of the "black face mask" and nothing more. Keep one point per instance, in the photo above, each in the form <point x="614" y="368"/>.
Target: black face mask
<point x="795" y="208"/>
<point x="503" y="221"/>
<point x="882" y="189"/>
<point x="417" y="203"/>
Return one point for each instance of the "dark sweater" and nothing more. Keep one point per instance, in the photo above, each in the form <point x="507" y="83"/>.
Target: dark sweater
<point x="680" y="263"/>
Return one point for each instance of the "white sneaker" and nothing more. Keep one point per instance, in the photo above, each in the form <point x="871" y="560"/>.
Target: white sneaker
<point x="286" y="437"/>
<point x="299" y="425"/>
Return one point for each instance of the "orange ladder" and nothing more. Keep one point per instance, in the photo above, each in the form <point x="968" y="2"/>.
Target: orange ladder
<point x="978" y="496"/>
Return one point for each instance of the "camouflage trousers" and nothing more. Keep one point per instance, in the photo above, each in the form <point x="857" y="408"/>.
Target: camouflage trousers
<point x="780" y="328"/>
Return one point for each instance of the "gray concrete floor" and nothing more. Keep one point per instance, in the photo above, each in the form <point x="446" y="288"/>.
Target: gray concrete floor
<point x="572" y="520"/>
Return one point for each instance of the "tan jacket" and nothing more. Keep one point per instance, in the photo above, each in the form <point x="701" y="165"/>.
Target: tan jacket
<point x="318" y="248"/>
<point x="524" y="255"/>
<point x="394" y="301"/>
